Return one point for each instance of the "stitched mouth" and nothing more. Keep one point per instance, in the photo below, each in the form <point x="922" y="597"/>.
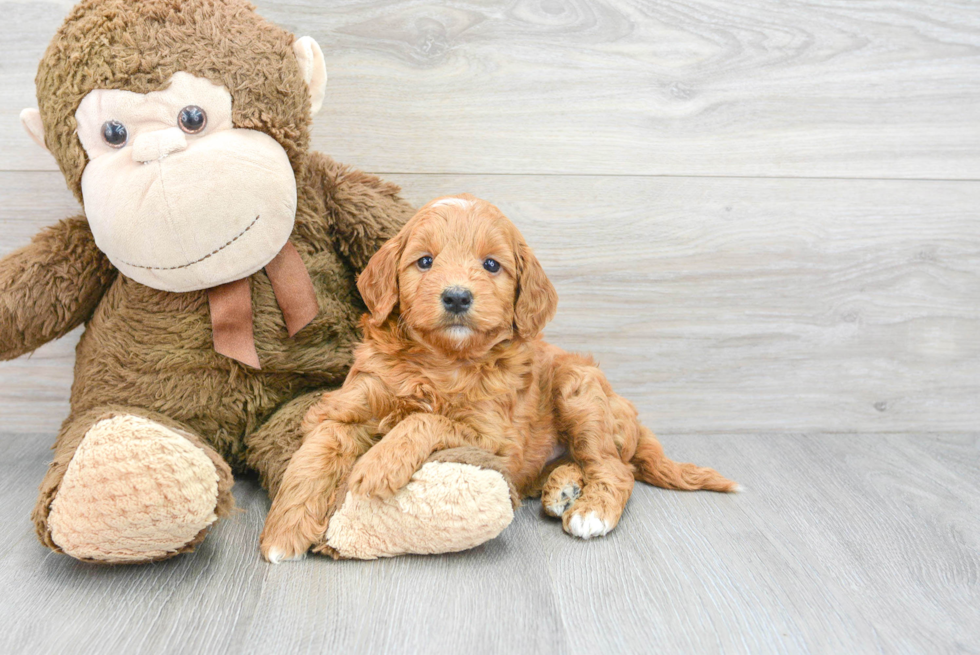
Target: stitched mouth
<point x="199" y="259"/>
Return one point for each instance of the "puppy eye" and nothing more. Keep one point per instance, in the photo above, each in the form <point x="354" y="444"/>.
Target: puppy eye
<point x="192" y="119"/>
<point x="114" y="134"/>
<point x="491" y="264"/>
<point x="424" y="263"/>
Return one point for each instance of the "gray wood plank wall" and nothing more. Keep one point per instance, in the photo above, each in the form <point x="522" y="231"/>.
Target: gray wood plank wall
<point x="667" y="161"/>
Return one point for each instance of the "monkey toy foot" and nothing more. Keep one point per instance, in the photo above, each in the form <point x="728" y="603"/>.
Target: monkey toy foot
<point x="134" y="491"/>
<point x="458" y="500"/>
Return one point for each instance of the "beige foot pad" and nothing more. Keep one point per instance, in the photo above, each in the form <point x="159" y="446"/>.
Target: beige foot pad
<point x="447" y="507"/>
<point x="134" y="491"/>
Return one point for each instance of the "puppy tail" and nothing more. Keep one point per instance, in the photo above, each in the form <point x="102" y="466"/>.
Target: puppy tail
<point x="653" y="467"/>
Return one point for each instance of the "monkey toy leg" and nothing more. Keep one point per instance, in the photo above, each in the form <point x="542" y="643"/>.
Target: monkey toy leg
<point x="459" y="499"/>
<point x="129" y="486"/>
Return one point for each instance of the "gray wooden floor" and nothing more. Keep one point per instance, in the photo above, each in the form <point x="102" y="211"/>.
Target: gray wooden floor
<point x="763" y="217"/>
<point x="842" y="543"/>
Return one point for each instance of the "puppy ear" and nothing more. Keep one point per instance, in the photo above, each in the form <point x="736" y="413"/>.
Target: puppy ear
<point x="378" y="283"/>
<point x="536" y="299"/>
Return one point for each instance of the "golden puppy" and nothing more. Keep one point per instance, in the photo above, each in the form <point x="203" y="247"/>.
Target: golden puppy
<point x="452" y="356"/>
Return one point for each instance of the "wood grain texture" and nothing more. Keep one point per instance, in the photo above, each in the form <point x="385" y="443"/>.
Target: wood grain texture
<point x="835" y="547"/>
<point x="842" y="543"/>
<point x="723" y="305"/>
<point x="685" y="87"/>
<point x="717" y="305"/>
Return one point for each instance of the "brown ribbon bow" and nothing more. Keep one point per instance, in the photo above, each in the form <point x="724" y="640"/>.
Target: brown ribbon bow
<point x="231" y="306"/>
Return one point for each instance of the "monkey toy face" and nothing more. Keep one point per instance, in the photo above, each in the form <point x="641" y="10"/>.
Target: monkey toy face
<point x="177" y="197"/>
<point x="183" y="148"/>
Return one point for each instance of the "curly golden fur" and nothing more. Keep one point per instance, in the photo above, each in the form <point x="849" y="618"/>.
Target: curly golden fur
<point x="429" y="376"/>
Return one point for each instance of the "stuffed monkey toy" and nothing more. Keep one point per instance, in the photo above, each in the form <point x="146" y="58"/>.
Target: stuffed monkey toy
<point x="214" y="268"/>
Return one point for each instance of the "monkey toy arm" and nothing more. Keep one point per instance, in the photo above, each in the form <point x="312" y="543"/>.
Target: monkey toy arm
<point x="363" y="211"/>
<point x="50" y="286"/>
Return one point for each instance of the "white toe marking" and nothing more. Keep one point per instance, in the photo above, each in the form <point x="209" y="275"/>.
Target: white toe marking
<point x="276" y="556"/>
<point x="588" y="526"/>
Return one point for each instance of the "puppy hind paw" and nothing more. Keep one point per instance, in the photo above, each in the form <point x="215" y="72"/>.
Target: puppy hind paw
<point x="557" y="503"/>
<point x="586" y="526"/>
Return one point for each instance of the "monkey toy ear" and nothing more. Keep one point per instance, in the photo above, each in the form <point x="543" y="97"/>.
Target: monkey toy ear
<point x="313" y="68"/>
<point x="31" y="120"/>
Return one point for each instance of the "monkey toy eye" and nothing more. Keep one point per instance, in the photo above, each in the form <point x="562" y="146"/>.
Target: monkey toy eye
<point x="424" y="263"/>
<point x="114" y="134"/>
<point x="192" y="119"/>
<point x="491" y="264"/>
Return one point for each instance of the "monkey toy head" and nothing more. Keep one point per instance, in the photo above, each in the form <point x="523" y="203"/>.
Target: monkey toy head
<point x="181" y="126"/>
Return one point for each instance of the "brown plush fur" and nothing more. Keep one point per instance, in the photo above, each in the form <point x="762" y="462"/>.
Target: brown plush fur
<point x="51" y="286"/>
<point x="498" y="387"/>
<point x="149" y="352"/>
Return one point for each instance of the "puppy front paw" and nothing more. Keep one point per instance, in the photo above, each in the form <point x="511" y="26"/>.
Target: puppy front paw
<point x="371" y="484"/>
<point x="373" y="479"/>
<point x="278" y="553"/>
<point x="289" y="537"/>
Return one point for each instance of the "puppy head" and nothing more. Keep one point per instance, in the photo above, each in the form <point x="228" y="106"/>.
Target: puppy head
<point x="461" y="277"/>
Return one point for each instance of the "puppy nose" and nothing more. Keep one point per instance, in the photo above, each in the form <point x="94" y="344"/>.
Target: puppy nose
<point x="457" y="300"/>
<point x="157" y="144"/>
